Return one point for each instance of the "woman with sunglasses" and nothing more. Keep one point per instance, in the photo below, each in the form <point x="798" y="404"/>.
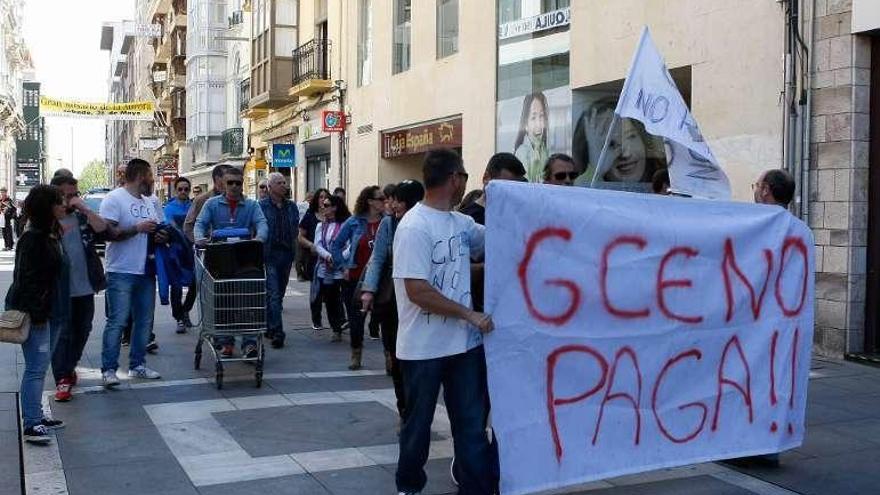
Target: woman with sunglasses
<point x="38" y="263"/>
<point x="358" y="232"/>
<point x="327" y="283"/>
<point x="307" y="225"/>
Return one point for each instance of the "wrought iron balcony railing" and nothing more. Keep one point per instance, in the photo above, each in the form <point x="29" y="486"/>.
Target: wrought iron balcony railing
<point x="311" y="61"/>
<point x="244" y="95"/>
<point x="233" y="141"/>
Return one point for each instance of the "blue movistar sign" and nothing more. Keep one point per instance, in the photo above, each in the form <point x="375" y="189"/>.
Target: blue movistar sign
<point x="283" y="156"/>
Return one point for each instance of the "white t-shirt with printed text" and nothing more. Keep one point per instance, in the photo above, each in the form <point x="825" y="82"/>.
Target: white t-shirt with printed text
<point x="435" y="246"/>
<point x="130" y="255"/>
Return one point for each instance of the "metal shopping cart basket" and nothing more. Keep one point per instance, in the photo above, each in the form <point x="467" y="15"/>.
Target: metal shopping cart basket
<point x="232" y="299"/>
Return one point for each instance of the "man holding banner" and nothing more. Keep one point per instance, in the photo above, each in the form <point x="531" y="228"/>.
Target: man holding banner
<point x="439" y="339"/>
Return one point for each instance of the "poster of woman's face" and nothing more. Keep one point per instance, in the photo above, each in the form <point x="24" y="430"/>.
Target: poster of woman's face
<point x="535" y="126"/>
<point x="634" y="154"/>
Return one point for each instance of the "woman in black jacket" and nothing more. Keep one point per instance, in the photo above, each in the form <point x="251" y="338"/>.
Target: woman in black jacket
<point x="37" y="264"/>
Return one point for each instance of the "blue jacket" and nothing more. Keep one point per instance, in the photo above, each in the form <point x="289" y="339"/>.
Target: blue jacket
<point x="215" y="215"/>
<point x="350" y="234"/>
<point x="273" y="216"/>
<point x="381" y="253"/>
<point x="175" y="263"/>
<point x="175" y="212"/>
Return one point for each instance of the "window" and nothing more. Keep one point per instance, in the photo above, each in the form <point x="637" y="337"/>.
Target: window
<point x="402" y="35"/>
<point x="509" y="11"/>
<point x="551" y="5"/>
<point x="447" y="27"/>
<point x="365" y="42"/>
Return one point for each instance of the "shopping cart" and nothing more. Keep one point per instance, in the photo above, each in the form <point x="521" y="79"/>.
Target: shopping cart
<point x="232" y="299"/>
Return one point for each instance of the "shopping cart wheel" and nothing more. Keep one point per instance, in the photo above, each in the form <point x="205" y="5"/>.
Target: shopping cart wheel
<point x="219" y="375"/>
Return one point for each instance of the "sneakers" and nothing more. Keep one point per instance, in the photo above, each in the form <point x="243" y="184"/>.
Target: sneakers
<point x="374" y="337"/>
<point x="109" y="378"/>
<point x="152" y="345"/>
<point x="62" y="390"/>
<point x="227" y="351"/>
<point x="250" y="351"/>
<point x="52" y="424"/>
<point x="143" y="373"/>
<point x="37" y="434"/>
<point x="181" y="327"/>
<point x="317" y="328"/>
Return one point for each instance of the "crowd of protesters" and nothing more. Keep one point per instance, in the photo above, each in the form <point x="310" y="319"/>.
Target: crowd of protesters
<point x="376" y="267"/>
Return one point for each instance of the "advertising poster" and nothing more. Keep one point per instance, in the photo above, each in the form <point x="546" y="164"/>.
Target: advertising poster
<point x="636" y="155"/>
<point x="534" y="126"/>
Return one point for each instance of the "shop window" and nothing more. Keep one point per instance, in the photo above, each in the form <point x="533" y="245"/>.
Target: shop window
<point x="447" y="27"/>
<point x="402" y="35"/>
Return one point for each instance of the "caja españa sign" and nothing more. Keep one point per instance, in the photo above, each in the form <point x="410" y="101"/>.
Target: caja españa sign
<point x="445" y="133"/>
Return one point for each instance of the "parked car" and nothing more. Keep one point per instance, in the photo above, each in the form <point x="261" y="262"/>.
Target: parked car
<point x="93" y="199"/>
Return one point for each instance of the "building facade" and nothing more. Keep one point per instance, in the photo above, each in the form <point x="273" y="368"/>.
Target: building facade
<point x="118" y="38"/>
<point x="15" y="63"/>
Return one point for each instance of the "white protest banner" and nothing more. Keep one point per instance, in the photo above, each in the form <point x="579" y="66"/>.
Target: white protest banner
<point x="636" y="332"/>
<point x="650" y="96"/>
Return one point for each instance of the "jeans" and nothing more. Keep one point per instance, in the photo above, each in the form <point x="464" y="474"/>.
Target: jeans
<point x="37" y="354"/>
<point x="277" y="276"/>
<point x="74" y="336"/>
<point x="465" y="392"/>
<point x="128" y="295"/>
<point x="181" y="307"/>
<point x="355" y="317"/>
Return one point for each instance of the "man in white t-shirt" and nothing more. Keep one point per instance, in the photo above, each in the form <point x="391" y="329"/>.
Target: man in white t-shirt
<point x="132" y="215"/>
<point x="439" y="340"/>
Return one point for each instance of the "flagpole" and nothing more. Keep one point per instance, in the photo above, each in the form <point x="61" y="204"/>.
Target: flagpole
<point x="600" y="163"/>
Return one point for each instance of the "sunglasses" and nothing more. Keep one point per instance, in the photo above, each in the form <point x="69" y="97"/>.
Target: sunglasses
<point x="182" y="189"/>
<point x="263" y="186"/>
<point x="563" y="175"/>
<point x="233" y="183"/>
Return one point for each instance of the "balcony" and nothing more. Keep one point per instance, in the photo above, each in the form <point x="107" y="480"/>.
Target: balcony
<point x="244" y="97"/>
<point x="233" y="141"/>
<point x="311" y="69"/>
<point x="236" y="19"/>
<point x="169" y="44"/>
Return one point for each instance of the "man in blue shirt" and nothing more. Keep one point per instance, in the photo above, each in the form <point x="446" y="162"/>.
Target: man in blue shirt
<point x="282" y="216"/>
<point x="228" y="211"/>
<point x="175" y="214"/>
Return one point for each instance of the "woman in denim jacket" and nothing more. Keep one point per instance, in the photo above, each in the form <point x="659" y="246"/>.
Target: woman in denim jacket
<point x="327" y="280"/>
<point x="358" y="232"/>
<point x="378" y="279"/>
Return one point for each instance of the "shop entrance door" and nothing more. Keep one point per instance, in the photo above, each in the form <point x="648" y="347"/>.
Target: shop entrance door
<point x="316" y="171"/>
<point x="872" y="296"/>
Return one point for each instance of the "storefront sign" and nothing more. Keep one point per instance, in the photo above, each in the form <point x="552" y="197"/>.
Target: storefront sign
<point x="332" y="121"/>
<point x="624" y="344"/>
<point x="283" y="155"/>
<point x="419" y="139"/>
<point x="538" y="23"/>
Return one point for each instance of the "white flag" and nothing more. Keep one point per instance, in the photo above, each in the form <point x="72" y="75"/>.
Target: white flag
<point x="650" y="96"/>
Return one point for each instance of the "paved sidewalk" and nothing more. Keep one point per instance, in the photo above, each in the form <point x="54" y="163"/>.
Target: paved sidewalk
<point x="317" y="428"/>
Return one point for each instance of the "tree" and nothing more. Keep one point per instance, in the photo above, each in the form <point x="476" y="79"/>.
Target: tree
<point x="94" y="175"/>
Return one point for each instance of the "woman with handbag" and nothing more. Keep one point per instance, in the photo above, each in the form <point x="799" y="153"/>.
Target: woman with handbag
<point x="37" y="265"/>
<point x="359" y="233"/>
<point x="327" y="281"/>
<point x="378" y="285"/>
<point x="306" y="241"/>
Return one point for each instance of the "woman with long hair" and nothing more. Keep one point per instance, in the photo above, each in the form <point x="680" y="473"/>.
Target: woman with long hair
<point x="38" y="262"/>
<point x="531" y="139"/>
<point x="378" y="287"/>
<point x="359" y="233"/>
<point x="327" y="283"/>
<point x="306" y="239"/>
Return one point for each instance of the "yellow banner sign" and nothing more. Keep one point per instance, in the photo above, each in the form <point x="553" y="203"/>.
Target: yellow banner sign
<point x="139" y="110"/>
